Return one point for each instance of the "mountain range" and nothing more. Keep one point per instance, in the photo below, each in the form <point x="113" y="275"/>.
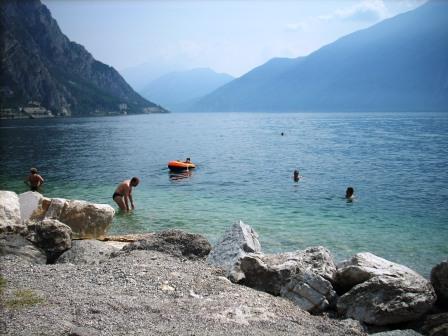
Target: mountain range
<point x="399" y="64"/>
<point x="179" y="89"/>
<point x="40" y="64"/>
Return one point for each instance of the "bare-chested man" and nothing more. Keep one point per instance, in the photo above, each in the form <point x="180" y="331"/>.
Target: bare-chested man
<point x="34" y="180"/>
<point x="123" y="193"/>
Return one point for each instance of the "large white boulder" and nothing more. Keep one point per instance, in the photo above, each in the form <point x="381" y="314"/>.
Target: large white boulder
<point x="382" y="292"/>
<point x="30" y="202"/>
<point x="10" y="220"/>
<point x="87" y="220"/>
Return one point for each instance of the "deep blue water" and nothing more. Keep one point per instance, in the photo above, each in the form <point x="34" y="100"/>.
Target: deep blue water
<point x="397" y="164"/>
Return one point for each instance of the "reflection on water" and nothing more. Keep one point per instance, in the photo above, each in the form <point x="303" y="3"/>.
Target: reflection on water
<point x="180" y="175"/>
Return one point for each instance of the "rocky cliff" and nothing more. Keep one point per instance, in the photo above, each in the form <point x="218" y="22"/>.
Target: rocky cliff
<point x="40" y="64"/>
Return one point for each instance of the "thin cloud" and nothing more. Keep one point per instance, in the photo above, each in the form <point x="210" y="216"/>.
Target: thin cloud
<point x="366" y="11"/>
<point x="372" y="10"/>
<point x="303" y="25"/>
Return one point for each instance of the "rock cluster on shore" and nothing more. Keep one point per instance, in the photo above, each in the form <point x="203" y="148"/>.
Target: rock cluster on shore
<point x="175" y="283"/>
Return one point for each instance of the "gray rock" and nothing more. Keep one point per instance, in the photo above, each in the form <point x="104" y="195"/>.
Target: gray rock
<point x="406" y="332"/>
<point x="436" y="325"/>
<point x="50" y="235"/>
<point x="87" y="220"/>
<point x="16" y="245"/>
<point x="83" y="331"/>
<point x="30" y="201"/>
<point x="175" y="242"/>
<point x="439" y="280"/>
<point x="10" y="220"/>
<point x="90" y="252"/>
<point x="239" y="240"/>
<point x="384" y="292"/>
<point x="301" y="276"/>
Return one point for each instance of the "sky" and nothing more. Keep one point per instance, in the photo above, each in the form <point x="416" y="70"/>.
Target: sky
<point x="229" y="37"/>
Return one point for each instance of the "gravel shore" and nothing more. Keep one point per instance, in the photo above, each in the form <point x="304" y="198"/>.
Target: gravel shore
<point x="146" y="293"/>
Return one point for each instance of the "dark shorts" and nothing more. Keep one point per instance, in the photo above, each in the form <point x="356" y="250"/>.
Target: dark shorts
<point x="116" y="194"/>
<point x="34" y="188"/>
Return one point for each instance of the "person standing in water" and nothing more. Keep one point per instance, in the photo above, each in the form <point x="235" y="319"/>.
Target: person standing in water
<point x="34" y="180"/>
<point x="123" y="193"/>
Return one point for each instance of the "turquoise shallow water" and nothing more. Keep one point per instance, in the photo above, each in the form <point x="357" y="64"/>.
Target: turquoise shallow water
<point x="397" y="164"/>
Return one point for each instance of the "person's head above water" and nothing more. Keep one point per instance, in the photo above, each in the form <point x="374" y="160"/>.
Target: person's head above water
<point x="33" y="171"/>
<point x="135" y="181"/>
<point x="349" y="192"/>
<point x="296" y="175"/>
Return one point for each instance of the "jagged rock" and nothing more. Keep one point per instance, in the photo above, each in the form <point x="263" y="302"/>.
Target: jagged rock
<point x="50" y="235"/>
<point x="89" y="252"/>
<point x="384" y="292"/>
<point x="439" y="280"/>
<point x="16" y="245"/>
<point x="10" y="220"/>
<point x="436" y="325"/>
<point x="239" y="240"/>
<point x="302" y="276"/>
<point x="30" y="202"/>
<point x="87" y="220"/>
<point x="406" y="332"/>
<point x="175" y="242"/>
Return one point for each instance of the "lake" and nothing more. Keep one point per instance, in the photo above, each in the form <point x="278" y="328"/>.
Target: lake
<point x="396" y="162"/>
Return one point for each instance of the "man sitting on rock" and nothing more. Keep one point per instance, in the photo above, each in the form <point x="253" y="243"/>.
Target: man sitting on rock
<point x="123" y="193"/>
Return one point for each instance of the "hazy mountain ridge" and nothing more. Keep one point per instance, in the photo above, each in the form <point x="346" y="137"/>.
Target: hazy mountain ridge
<point x="41" y="64"/>
<point x="176" y="90"/>
<point x="400" y="64"/>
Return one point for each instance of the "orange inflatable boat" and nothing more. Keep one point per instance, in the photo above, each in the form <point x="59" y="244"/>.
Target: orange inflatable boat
<point x="180" y="165"/>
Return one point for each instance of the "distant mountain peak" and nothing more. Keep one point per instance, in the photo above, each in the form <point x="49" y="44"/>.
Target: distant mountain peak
<point x="399" y="64"/>
<point x="178" y="89"/>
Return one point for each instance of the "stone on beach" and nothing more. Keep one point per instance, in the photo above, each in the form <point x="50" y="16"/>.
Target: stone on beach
<point x="87" y="252"/>
<point x="304" y="277"/>
<point x="382" y="292"/>
<point x="87" y="220"/>
<point x="239" y="240"/>
<point x="50" y="235"/>
<point x="10" y="220"/>
<point x="175" y="242"/>
<point x="16" y="246"/>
